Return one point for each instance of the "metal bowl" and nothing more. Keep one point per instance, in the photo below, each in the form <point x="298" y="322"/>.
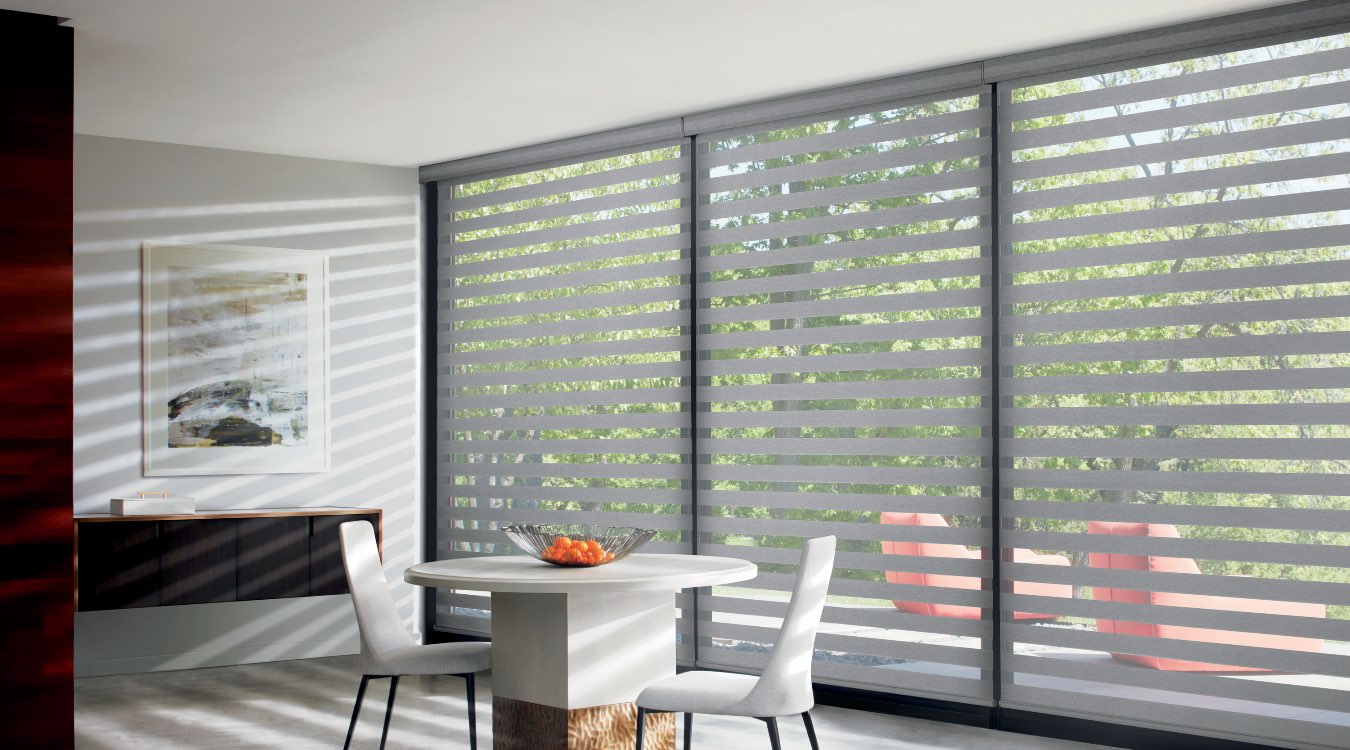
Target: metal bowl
<point x="540" y="542"/>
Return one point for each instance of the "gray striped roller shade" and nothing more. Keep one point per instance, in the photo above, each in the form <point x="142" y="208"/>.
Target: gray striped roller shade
<point x="1105" y="312"/>
<point x="563" y="365"/>
<point x="843" y="365"/>
<point x="1175" y="351"/>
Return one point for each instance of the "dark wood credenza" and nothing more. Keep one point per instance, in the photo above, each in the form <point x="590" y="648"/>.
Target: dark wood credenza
<point x="123" y="562"/>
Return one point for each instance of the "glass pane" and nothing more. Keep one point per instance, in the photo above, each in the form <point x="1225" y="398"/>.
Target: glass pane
<point x="843" y="388"/>
<point x="1177" y="362"/>
<point x="564" y="365"/>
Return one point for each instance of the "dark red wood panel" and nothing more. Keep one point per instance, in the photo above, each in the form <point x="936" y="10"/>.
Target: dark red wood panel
<point x="36" y="629"/>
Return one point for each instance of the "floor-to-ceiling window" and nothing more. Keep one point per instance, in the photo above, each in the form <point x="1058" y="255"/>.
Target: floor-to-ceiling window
<point x="1101" y="315"/>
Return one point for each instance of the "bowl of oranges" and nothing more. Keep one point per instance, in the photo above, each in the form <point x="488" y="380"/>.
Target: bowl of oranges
<point x="577" y="546"/>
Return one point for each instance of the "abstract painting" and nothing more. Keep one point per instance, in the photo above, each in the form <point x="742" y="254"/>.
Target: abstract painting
<point x="235" y="360"/>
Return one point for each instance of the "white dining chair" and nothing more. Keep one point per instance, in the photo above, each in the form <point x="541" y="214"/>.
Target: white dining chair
<point x="782" y="689"/>
<point x="386" y="648"/>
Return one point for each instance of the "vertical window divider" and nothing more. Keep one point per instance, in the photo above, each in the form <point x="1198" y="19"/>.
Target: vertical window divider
<point x="691" y="144"/>
<point x="995" y="401"/>
<point x="431" y="333"/>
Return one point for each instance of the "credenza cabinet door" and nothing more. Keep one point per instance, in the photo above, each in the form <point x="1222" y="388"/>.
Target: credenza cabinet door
<point x="119" y="565"/>
<point x="273" y="558"/>
<point x="197" y="561"/>
<point x="326" y="573"/>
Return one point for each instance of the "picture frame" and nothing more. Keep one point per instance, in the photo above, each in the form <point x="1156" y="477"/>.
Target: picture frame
<point x="234" y="365"/>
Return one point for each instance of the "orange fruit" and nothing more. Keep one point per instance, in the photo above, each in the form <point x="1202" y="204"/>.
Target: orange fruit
<point x="594" y="546"/>
<point x="562" y="542"/>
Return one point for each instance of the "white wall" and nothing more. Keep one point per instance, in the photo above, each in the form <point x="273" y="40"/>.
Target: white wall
<point x="365" y="218"/>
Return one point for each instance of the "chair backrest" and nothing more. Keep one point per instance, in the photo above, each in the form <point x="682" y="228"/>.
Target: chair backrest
<point x="1120" y="561"/>
<point x="1155" y="563"/>
<point x="376" y="616"/>
<point x="785" y="685"/>
<point x="926" y="549"/>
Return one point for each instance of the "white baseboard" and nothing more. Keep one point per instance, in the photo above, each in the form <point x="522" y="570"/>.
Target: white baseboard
<point x="155" y="639"/>
<point x="219" y="658"/>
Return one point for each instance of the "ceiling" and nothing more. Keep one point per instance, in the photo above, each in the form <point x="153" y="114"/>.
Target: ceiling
<point x="420" y="81"/>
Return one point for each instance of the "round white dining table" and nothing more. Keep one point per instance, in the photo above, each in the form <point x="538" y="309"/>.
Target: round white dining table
<point x="572" y="647"/>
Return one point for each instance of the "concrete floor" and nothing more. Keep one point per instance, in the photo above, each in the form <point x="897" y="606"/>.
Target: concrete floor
<point x="307" y="703"/>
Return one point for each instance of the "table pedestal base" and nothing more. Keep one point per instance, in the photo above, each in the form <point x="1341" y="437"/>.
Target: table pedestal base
<point x="567" y="667"/>
<point x="518" y="725"/>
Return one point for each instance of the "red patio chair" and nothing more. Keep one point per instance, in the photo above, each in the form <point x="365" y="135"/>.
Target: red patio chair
<point x="1194" y="601"/>
<point x="959" y="552"/>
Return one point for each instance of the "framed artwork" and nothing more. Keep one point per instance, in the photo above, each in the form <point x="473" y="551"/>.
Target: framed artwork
<point x="235" y="360"/>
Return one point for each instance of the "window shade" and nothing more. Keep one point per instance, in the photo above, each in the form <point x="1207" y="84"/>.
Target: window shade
<point x="563" y="356"/>
<point x="1173" y="333"/>
<point x="1176" y="361"/>
<point x="843" y="314"/>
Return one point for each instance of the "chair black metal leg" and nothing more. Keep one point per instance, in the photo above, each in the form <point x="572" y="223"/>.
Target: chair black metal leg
<point x="774" y="742"/>
<point x="688" y="730"/>
<point x="389" y="710"/>
<point x="360" y="695"/>
<point x="473" y="714"/>
<point x="810" y="730"/>
<point x="641" y="725"/>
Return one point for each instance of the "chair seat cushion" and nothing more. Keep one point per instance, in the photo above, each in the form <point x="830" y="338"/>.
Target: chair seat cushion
<point x="437" y="658"/>
<point x="700" y="693"/>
